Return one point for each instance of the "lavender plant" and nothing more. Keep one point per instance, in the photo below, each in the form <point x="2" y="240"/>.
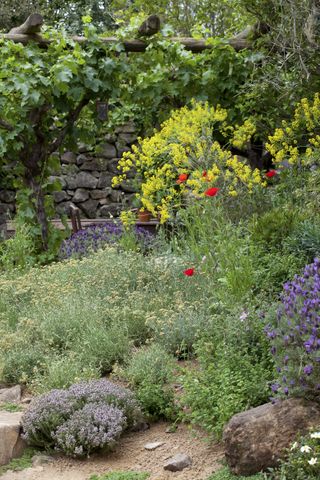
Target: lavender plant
<point x="295" y="339"/>
<point x="93" y="427"/>
<point x="93" y="238"/>
<point x="83" y="418"/>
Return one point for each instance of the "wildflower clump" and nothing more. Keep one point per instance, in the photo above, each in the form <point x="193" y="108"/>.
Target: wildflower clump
<point x="298" y="140"/>
<point x="295" y="339"/>
<point x="303" y="460"/>
<point x="183" y="159"/>
<point x="84" y="418"/>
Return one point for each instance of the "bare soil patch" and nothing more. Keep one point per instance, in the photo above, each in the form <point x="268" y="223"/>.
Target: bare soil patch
<point x="130" y="454"/>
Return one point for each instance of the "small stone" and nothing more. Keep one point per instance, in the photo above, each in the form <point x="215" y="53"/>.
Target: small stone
<point x="83" y="148"/>
<point x="99" y="194"/>
<point x="104" y="180"/>
<point x="69" y="157"/>
<point x="61" y="196"/>
<point x="128" y="138"/>
<point x="128" y="127"/>
<point x="110" y="210"/>
<point x="12" y="394"/>
<point x="26" y="400"/>
<point x="7" y="196"/>
<point x="126" y="187"/>
<point x="153" y="445"/>
<point x="178" y="463"/>
<point x="89" y="207"/>
<point x="107" y="150"/>
<point x="39" y="460"/>
<point x="171" y="429"/>
<point x="81" y="159"/>
<point x="86" y="180"/>
<point x="81" y="195"/>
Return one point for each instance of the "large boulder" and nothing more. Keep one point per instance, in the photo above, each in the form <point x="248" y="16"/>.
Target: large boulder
<point x="11" y="444"/>
<point x="256" y="439"/>
<point x="12" y="394"/>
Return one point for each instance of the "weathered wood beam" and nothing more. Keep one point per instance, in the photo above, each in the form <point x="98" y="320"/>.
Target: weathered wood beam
<point x="32" y="25"/>
<point x="133" y="45"/>
<point x="29" y="31"/>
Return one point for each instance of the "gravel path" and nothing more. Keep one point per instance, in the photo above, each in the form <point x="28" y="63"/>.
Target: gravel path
<point x="131" y="455"/>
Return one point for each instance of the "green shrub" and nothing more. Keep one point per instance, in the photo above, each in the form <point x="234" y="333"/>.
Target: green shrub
<point x="150" y="374"/>
<point x="233" y="372"/>
<point x="273" y="227"/>
<point x="19" y="251"/>
<point x="305" y="240"/>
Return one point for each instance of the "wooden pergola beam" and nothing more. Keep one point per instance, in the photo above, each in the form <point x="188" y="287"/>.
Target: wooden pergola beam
<point x="29" y="32"/>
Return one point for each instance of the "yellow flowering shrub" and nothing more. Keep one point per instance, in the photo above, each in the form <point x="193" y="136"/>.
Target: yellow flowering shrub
<point x="184" y="159"/>
<point x="297" y="140"/>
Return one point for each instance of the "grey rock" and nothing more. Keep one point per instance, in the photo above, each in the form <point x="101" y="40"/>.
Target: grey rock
<point x="12" y="394"/>
<point x="104" y="201"/>
<point x="127" y="187"/>
<point x="128" y="127"/>
<point x="104" y="180"/>
<point x="112" y="166"/>
<point x="106" y="150"/>
<point x="69" y="169"/>
<point x="81" y="195"/>
<point x="63" y="208"/>
<point x="93" y="164"/>
<point x="178" y="462"/>
<point x="61" y="196"/>
<point x="110" y="210"/>
<point x="7" y="196"/>
<point x="153" y="445"/>
<point x="39" y="460"/>
<point x="6" y="207"/>
<point x="99" y="194"/>
<point x="96" y="174"/>
<point x="116" y="196"/>
<point x="83" y="148"/>
<point x="60" y="179"/>
<point x="11" y="444"/>
<point x="86" y="180"/>
<point x="121" y="149"/>
<point x="69" y="157"/>
<point x="89" y="208"/>
<point x="127" y="138"/>
<point x="71" y="181"/>
<point x="256" y="439"/>
<point x="26" y="400"/>
<point x="71" y="192"/>
<point x="81" y="159"/>
<point x="110" y="137"/>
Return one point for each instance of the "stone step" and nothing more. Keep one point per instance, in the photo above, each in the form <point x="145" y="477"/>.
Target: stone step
<point x="11" y="444"/>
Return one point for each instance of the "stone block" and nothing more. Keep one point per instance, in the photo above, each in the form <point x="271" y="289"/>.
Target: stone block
<point x="11" y="444"/>
<point x="256" y="439"/>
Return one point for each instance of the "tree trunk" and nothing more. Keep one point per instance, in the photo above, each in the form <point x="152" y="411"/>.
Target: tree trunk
<point x="37" y="192"/>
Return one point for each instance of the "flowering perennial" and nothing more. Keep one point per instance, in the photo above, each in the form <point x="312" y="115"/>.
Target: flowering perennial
<point x="84" y="418"/>
<point x="295" y="339"/>
<point x="182" y="158"/>
<point x="296" y="141"/>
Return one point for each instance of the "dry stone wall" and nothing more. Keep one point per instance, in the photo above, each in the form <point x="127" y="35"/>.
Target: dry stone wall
<point x="86" y="177"/>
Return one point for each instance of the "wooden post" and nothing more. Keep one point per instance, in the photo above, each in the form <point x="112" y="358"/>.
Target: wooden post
<point x="75" y="219"/>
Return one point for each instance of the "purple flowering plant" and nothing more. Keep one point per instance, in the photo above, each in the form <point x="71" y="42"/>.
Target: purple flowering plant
<point x="86" y="417"/>
<point x="95" y="237"/>
<point x="295" y="337"/>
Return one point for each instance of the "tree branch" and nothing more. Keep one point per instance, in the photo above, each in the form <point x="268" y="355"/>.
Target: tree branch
<point x="6" y="126"/>
<point x="70" y="119"/>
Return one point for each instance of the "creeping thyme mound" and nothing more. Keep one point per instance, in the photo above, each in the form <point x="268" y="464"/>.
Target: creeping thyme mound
<point x="86" y="417"/>
<point x="295" y="339"/>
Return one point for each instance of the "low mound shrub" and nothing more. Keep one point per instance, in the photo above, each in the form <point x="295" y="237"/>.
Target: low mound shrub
<point x="150" y="374"/>
<point x="294" y="336"/>
<point x="86" y="417"/>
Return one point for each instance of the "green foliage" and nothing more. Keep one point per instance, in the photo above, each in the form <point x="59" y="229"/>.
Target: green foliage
<point x="233" y="372"/>
<point x="225" y="474"/>
<point x="18" y="464"/>
<point x="10" y="407"/>
<point x="19" y="251"/>
<point x="121" y="476"/>
<point x="305" y="240"/>
<point x="150" y="373"/>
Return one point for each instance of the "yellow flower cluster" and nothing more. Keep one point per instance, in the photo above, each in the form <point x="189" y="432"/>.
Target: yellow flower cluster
<point x="182" y="158"/>
<point x="297" y="140"/>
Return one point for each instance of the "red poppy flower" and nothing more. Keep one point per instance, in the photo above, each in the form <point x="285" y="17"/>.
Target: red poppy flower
<point x="271" y="173"/>
<point x="189" y="272"/>
<point x="204" y="174"/>
<point x="211" y="192"/>
<point x="182" y="178"/>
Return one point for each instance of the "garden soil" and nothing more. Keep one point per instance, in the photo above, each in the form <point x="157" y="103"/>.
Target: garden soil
<point x="130" y="455"/>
